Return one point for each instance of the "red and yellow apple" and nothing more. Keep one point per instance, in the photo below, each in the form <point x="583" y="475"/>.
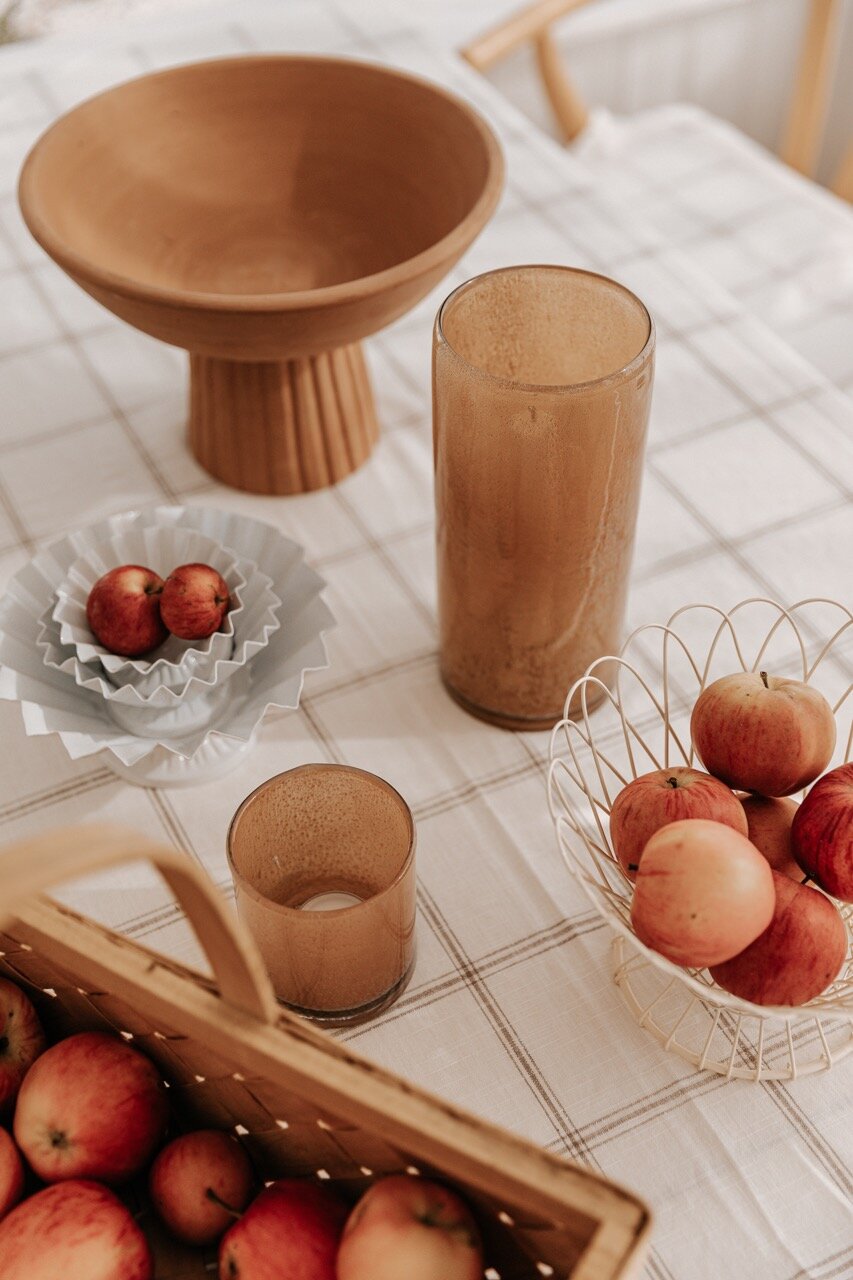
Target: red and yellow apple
<point x="769" y="819"/>
<point x="665" y="795"/>
<point x="194" y="602"/>
<point x="11" y="1175"/>
<point x="764" y="733"/>
<point x="822" y="833"/>
<point x="406" y="1226"/>
<point x="73" y="1231"/>
<point x="123" y="610"/>
<point x="703" y="893"/>
<point x="290" y="1232"/>
<point x="90" y="1107"/>
<point x="21" y="1041"/>
<point x="796" y="957"/>
<point x="200" y="1183"/>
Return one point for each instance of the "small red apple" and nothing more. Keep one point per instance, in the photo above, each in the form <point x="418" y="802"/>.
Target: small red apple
<point x="21" y="1041"/>
<point x="11" y="1174"/>
<point x="769" y="819"/>
<point x="200" y="1183"/>
<point x="74" y="1231"/>
<point x="822" y="834"/>
<point x="763" y="733"/>
<point x="410" y="1227"/>
<point x="90" y="1107"/>
<point x="663" y="796"/>
<point x="796" y="957"/>
<point x="195" y="600"/>
<point x="703" y="893"/>
<point x="123" y="610"/>
<point x="290" y="1232"/>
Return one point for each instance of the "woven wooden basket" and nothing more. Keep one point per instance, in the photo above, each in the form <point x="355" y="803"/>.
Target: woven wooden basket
<point x="302" y="1103"/>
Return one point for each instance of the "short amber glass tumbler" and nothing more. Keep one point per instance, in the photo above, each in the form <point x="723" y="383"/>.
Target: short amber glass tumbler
<point x="542" y="381"/>
<point x="323" y="861"/>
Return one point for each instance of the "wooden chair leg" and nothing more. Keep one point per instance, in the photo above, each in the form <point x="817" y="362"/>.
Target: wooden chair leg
<point x="566" y="102"/>
<point x="804" y="130"/>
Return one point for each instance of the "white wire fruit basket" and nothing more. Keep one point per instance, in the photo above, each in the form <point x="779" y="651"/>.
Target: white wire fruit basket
<point x="631" y="714"/>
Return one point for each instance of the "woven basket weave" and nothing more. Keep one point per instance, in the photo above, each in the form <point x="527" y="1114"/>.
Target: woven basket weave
<point x="302" y="1103"/>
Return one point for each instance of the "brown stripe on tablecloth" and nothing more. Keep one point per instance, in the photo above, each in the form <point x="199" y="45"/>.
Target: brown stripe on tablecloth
<point x="840" y="1264"/>
<point x="34" y="801"/>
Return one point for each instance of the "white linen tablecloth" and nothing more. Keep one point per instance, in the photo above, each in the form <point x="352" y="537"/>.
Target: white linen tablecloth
<point x="511" y="1011"/>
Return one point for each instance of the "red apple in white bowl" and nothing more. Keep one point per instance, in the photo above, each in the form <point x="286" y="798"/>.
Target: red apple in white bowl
<point x="410" y="1227"/>
<point x="703" y="893"/>
<point x="11" y="1174"/>
<point x="290" y="1232"/>
<point x="200" y="1183"/>
<point x="73" y="1231"/>
<point x="123" y="610"/>
<point x="769" y="820"/>
<point x="763" y="733"/>
<point x="21" y="1041"/>
<point x="194" y="602"/>
<point x="822" y="833"/>
<point x="796" y="957"/>
<point x="655" y="799"/>
<point x="90" y="1107"/>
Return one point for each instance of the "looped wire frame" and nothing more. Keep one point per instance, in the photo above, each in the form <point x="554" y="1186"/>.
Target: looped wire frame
<point x="641" y="723"/>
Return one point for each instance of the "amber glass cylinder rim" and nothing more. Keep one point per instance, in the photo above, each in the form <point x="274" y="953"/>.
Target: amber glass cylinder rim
<point x="606" y="381"/>
<point x="268" y="903"/>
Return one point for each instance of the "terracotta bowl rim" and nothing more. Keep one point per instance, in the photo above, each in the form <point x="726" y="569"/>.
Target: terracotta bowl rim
<point x="452" y="243"/>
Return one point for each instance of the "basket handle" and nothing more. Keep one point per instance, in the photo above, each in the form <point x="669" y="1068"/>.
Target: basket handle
<point x="66" y="853"/>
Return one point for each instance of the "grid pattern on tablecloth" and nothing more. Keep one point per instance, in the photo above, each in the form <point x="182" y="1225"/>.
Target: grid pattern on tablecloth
<point x="511" y="1011"/>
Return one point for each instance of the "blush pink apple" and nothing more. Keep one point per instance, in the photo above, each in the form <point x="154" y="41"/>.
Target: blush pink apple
<point x="200" y="1183"/>
<point x="410" y="1227"/>
<point x="74" y="1231"/>
<point x="822" y="833"/>
<point x="769" y="820"/>
<point x="195" y="600"/>
<point x="703" y="893"/>
<point x="290" y="1232"/>
<point x="123" y="610"/>
<point x="11" y="1174"/>
<point x="655" y="799"/>
<point x="796" y="957"/>
<point x="21" y="1041"/>
<point x="764" y="733"/>
<point x="90" y="1107"/>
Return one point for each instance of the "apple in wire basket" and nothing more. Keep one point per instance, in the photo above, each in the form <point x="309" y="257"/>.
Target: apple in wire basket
<point x="822" y="833"/>
<point x="11" y="1174"/>
<point x="289" y="1232"/>
<point x="90" y="1107"/>
<point x="199" y="1183"/>
<point x="123" y="610"/>
<point x="655" y="799"/>
<point x="769" y="819"/>
<point x="75" y="1230"/>
<point x="21" y="1041"/>
<point x="408" y="1226"/>
<point x="764" y="733"/>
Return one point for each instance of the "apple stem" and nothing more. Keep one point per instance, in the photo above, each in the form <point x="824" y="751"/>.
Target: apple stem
<point x="211" y="1195"/>
<point x="672" y="782"/>
<point x="763" y="675"/>
<point x="633" y="866"/>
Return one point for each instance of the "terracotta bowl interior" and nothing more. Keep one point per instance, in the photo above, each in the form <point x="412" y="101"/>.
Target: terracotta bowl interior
<point x="255" y="176"/>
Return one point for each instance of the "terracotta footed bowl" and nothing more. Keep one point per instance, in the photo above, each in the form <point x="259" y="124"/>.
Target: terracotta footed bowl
<point x="266" y="214"/>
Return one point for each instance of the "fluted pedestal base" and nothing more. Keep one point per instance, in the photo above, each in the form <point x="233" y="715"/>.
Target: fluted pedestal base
<point x="282" y="426"/>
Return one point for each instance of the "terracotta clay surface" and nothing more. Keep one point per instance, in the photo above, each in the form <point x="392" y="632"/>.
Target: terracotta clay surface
<point x="324" y="829"/>
<point x="541" y="394"/>
<point x="264" y="210"/>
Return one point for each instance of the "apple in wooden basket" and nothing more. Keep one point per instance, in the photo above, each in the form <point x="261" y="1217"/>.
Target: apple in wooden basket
<point x="290" y="1231"/>
<point x="763" y="733"/>
<point x="11" y="1174"/>
<point x="75" y="1230"/>
<point x="123" y="610"/>
<point x="703" y="893"/>
<point x="655" y="799"/>
<point x="769" y="820"/>
<point x="796" y="957"/>
<point x="21" y="1041"/>
<point x="90" y="1107"/>
<point x="406" y="1226"/>
<point x="822" y="834"/>
<point x="200" y="1183"/>
<point x="195" y="600"/>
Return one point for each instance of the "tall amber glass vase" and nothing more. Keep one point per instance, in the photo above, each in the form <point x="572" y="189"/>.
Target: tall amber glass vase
<point x="542" y="380"/>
